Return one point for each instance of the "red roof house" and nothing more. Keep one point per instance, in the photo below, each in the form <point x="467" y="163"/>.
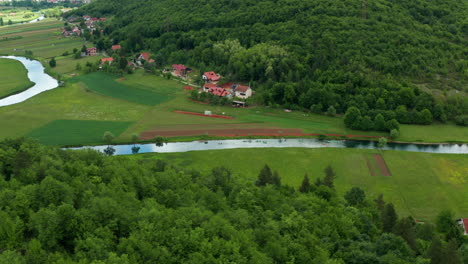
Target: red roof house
<point x="108" y="60"/>
<point x="91" y="51"/>
<point x="145" y="56"/>
<point x="215" y="90"/>
<point x="116" y="47"/>
<point x="179" y="69"/>
<point x="464" y="223"/>
<point x="211" y="77"/>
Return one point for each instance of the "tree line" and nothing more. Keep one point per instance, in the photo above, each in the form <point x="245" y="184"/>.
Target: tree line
<point x="67" y="206"/>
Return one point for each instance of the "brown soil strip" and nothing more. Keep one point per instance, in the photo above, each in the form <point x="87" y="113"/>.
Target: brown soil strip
<point x="369" y="166"/>
<point x="379" y="160"/>
<point x="230" y="132"/>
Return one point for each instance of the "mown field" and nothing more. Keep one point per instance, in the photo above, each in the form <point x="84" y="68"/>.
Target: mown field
<point x="14" y="77"/>
<point x="421" y="184"/>
<point x="17" y="15"/>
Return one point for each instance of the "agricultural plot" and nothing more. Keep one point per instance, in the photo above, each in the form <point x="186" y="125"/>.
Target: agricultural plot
<point x="106" y="85"/>
<point x="421" y="184"/>
<point x="14" y="77"/>
<point x="75" y="132"/>
<point x="43" y="38"/>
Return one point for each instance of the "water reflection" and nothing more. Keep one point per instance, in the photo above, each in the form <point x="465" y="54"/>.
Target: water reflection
<point x="275" y="143"/>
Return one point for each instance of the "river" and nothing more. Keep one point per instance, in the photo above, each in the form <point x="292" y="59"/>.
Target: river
<point x="36" y="74"/>
<point x="283" y="143"/>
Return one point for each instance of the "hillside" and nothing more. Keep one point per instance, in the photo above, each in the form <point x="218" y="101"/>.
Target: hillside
<point x="64" y="206"/>
<point x="313" y="54"/>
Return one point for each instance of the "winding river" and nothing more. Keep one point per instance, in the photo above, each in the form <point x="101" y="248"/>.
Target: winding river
<point x="44" y="82"/>
<point x="36" y="74"/>
<point x="282" y="143"/>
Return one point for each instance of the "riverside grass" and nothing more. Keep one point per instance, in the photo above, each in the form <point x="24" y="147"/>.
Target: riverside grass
<point x="14" y="77"/>
<point x="421" y="184"/>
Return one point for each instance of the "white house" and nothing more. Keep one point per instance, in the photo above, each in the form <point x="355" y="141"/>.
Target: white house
<point x="242" y="91"/>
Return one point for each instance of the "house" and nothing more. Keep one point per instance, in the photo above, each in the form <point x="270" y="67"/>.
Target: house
<point x="144" y="56"/>
<point x="211" y="77"/>
<point x="215" y="90"/>
<point x="107" y="60"/>
<point x="179" y="69"/>
<point x="91" y="51"/>
<point x="464" y="223"/>
<point x="208" y="86"/>
<point x="116" y="47"/>
<point x="242" y="91"/>
<point x="76" y="31"/>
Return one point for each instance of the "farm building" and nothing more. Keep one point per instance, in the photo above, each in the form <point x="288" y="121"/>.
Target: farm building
<point x="180" y="70"/>
<point x="464" y="223"/>
<point x="116" y="47"/>
<point x="242" y="91"/>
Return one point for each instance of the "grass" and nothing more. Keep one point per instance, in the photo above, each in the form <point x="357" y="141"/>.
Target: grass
<point x="14" y="77"/>
<point x="421" y="185"/>
<point x="74" y="132"/>
<point x="106" y="84"/>
<point x="43" y="38"/>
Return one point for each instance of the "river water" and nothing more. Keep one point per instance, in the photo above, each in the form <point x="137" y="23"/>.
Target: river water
<point x="36" y="74"/>
<point x="283" y="143"/>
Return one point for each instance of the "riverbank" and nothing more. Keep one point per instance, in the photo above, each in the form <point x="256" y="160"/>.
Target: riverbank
<point x="14" y="78"/>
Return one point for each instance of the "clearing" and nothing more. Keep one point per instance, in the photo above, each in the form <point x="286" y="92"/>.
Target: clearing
<point x="14" y="77"/>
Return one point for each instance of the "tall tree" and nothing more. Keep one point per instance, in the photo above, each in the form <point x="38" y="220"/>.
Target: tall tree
<point x="389" y="218"/>
<point x="329" y="179"/>
<point x="264" y="177"/>
<point x="305" y="186"/>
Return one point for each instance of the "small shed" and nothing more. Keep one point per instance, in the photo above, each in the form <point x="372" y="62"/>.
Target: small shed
<point x="208" y="112"/>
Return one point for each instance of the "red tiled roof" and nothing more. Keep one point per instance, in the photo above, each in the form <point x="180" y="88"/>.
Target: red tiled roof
<point x="145" y="55"/>
<point x="465" y="225"/>
<point x="151" y="61"/>
<point x="211" y="76"/>
<point x="178" y="67"/>
<point x="116" y="47"/>
<point x="91" y="49"/>
<point x="227" y="85"/>
<point x="107" y="60"/>
<point x="242" y="88"/>
<point x="218" y="91"/>
<point x="210" y="85"/>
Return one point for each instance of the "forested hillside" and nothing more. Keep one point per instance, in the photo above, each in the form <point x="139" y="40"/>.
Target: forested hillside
<point x="314" y="54"/>
<point x="64" y="206"/>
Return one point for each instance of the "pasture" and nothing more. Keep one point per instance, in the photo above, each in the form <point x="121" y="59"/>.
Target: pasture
<point x="14" y="77"/>
<point x="74" y="132"/>
<point x="421" y="184"/>
<point x="105" y="84"/>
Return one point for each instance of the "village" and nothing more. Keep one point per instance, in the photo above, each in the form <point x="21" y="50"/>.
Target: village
<point x="211" y="82"/>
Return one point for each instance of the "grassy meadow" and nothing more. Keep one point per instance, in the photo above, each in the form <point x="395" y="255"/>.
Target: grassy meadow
<point x="14" y="77"/>
<point x="421" y="184"/>
<point x="17" y="15"/>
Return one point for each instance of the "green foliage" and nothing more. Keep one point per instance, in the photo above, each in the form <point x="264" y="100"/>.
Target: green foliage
<point x="355" y="196"/>
<point x="52" y="62"/>
<point x="67" y="206"/>
<point x="382" y="142"/>
<point x="108" y="137"/>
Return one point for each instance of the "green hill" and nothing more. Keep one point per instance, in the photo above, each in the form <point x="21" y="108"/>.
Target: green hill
<point x="313" y="54"/>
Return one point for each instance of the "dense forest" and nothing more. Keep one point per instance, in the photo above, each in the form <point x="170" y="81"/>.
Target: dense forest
<point x="66" y="206"/>
<point x="319" y="55"/>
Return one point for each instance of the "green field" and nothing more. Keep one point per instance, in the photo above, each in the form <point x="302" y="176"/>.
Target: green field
<point x="17" y="15"/>
<point x="421" y="184"/>
<point x="14" y="77"/>
<point x="75" y="132"/>
<point x="106" y="84"/>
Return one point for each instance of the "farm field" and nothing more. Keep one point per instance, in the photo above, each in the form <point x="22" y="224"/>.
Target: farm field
<point x="43" y="38"/>
<point x="14" y="77"/>
<point x="420" y="184"/>
<point x="17" y="15"/>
